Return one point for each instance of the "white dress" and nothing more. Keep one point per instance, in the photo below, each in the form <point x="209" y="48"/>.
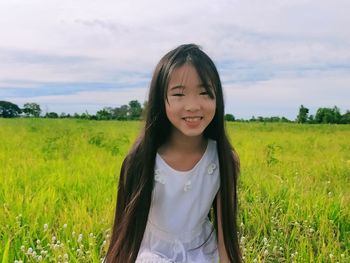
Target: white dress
<point x="178" y="228"/>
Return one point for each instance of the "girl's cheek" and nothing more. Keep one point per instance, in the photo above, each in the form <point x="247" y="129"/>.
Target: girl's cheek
<point x="210" y="102"/>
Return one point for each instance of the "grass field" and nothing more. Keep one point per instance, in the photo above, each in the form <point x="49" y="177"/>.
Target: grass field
<point x="59" y="178"/>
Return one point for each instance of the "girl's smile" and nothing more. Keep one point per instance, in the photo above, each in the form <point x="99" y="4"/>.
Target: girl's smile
<point x="193" y="122"/>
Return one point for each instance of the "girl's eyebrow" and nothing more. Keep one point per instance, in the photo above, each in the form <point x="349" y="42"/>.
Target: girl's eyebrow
<point x="177" y="87"/>
<point x="180" y="86"/>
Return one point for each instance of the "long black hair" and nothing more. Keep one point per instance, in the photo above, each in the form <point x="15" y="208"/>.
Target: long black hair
<point x="137" y="171"/>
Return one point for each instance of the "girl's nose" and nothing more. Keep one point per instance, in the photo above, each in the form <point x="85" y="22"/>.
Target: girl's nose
<point x="192" y="104"/>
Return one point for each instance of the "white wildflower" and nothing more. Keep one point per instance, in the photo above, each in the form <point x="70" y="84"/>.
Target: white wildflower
<point x="265" y="240"/>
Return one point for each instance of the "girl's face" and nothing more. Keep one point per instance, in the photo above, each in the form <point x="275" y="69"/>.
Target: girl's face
<point x="189" y="108"/>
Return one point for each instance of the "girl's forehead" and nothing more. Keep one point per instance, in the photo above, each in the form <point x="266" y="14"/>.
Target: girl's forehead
<point x="184" y="74"/>
<point x="183" y="71"/>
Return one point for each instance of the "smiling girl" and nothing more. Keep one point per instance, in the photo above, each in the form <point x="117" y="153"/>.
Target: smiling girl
<point x="177" y="196"/>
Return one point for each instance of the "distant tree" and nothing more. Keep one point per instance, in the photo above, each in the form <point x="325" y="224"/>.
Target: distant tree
<point x="253" y="119"/>
<point x="229" y="117"/>
<point x="345" y="118"/>
<point x="85" y="115"/>
<point x="76" y="115"/>
<point x="328" y="115"/>
<point x="32" y="109"/>
<point x="311" y="119"/>
<point x="135" y="110"/>
<point x="337" y="115"/>
<point x="105" y="114"/>
<point x="274" y="119"/>
<point x="303" y="114"/>
<point x="284" y="119"/>
<point x="92" y="117"/>
<point x="121" y="113"/>
<point x="52" y="115"/>
<point x="9" y="109"/>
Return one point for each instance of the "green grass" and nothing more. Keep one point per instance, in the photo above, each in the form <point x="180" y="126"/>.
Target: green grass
<point x="59" y="179"/>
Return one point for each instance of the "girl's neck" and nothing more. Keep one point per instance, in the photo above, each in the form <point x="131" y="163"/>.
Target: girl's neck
<point x="185" y="144"/>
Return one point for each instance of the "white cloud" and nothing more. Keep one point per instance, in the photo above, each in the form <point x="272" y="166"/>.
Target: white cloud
<point x="285" y="43"/>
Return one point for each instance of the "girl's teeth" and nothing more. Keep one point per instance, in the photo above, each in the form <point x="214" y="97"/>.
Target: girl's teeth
<point x="192" y="119"/>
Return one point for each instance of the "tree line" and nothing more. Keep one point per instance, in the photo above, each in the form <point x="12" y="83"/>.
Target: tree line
<point x="132" y="111"/>
<point x="323" y="115"/>
<point x="135" y="111"/>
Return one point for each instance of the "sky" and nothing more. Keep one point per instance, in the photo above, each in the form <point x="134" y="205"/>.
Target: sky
<point x="82" y="55"/>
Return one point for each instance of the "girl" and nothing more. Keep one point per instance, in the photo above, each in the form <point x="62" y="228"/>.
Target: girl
<point x="180" y="167"/>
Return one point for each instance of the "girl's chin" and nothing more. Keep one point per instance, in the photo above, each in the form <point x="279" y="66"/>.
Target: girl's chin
<point x="192" y="132"/>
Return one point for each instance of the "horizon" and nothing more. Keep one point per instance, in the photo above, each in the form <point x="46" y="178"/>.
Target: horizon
<point x="43" y="112"/>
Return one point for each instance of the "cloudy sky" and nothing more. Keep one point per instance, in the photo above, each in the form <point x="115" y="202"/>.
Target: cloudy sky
<point x="72" y="56"/>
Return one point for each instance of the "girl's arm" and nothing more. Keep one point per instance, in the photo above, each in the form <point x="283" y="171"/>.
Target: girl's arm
<point x="221" y="244"/>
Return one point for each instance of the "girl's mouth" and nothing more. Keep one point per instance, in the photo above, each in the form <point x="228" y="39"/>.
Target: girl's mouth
<point x="192" y="119"/>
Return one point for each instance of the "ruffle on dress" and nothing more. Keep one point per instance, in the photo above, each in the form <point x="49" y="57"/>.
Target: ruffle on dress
<point x="199" y="245"/>
<point x="150" y="257"/>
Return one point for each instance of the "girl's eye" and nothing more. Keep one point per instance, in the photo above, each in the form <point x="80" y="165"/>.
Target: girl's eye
<point x="204" y="93"/>
<point x="178" y="94"/>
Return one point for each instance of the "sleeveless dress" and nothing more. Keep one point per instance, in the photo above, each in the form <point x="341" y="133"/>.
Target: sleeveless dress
<point x="178" y="228"/>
